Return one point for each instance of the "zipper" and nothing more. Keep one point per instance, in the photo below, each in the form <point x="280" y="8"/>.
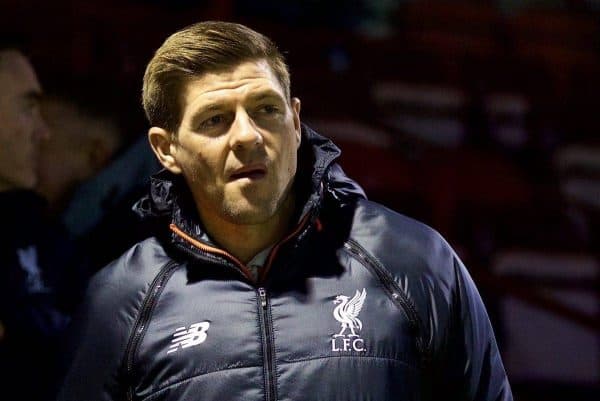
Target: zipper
<point x="140" y="325"/>
<point x="206" y="256"/>
<point x="397" y="295"/>
<point x="271" y="257"/>
<point x="266" y="325"/>
<point x="210" y="251"/>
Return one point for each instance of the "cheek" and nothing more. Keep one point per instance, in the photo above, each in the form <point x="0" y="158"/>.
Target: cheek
<point x="290" y="158"/>
<point x="22" y="149"/>
<point x="26" y="123"/>
<point x="201" y="165"/>
<point x="14" y="131"/>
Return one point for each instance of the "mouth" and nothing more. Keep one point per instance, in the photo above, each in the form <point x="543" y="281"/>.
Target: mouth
<point x="253" y="172"/>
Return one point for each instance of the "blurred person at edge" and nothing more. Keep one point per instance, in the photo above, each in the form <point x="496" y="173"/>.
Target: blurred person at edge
<point x="88" y="174"/>
<point x="83" y="142"/>
<point x="33" y="255"/>
<point x="271" y="275"/>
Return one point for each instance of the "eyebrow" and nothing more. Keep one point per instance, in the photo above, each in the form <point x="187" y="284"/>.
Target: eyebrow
<point x="265" y="95"/>
<point x="202" y="110"/>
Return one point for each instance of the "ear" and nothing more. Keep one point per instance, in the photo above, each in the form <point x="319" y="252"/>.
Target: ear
<point x="296" y="117"/>
<point x="164" y="148"/>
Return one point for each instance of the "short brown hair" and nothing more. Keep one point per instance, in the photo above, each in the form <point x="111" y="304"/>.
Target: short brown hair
<point x="197" y="49"/>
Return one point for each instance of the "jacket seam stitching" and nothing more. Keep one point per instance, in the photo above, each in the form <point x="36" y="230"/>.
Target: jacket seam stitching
<point x="136" y="323"/>
<point x="403" y="362"/>
<point x="419" y="323"/>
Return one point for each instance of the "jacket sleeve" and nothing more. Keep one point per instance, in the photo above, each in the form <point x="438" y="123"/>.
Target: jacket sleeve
<point x="470" y="367"/>
<point x="97" y="341"/>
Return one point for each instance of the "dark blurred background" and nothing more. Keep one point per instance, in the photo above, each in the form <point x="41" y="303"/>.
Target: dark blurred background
<point x="477" y="117"/>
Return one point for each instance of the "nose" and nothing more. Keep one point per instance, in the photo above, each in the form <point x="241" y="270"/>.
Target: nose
<point x="244" y="133"/>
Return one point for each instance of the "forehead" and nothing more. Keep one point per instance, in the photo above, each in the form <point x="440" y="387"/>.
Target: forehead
<point x="243" y="80"/>
<point x="17" y="76"/>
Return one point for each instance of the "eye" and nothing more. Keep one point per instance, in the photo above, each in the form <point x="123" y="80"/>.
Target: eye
<point x="213" y="121"/>
<point x="268" y="109"/>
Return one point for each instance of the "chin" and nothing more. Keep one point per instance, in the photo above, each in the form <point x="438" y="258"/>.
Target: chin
<point x="249" y="213"/>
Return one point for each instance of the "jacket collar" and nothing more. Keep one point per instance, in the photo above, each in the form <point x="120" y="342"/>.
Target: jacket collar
<point x="170" y="199"/>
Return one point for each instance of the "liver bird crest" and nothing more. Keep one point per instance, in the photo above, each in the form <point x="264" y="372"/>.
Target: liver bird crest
<point x="347" y="312"/>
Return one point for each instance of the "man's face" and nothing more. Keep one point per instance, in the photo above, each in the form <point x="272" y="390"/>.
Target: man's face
<point x="21" y="126"/>
<point x="237" y="143"/>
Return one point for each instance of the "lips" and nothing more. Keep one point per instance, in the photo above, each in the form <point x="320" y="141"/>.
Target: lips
<point x="252" y="172"/>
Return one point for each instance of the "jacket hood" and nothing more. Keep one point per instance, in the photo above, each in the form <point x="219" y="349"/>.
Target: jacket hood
<point x="169" y="196"/>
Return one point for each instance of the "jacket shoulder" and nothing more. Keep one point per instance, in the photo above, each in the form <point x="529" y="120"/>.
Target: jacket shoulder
<point x="132" y="271"/>
<point x="423" y="265"/>
<point x="405" y="246"/>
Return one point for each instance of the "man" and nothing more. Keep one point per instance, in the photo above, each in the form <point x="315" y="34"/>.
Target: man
<point x="33" y="255"/>
<point x="274" y="278"/>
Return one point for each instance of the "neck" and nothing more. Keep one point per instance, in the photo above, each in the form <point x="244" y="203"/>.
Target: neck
<point x="244" y="241"/>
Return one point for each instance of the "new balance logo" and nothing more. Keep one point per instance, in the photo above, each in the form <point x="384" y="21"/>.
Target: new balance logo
<point x="185" y="337"/>
<point x="346" y="313"/>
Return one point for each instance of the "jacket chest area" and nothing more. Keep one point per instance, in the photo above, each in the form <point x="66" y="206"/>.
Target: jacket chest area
<point x="212" y="329"/>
